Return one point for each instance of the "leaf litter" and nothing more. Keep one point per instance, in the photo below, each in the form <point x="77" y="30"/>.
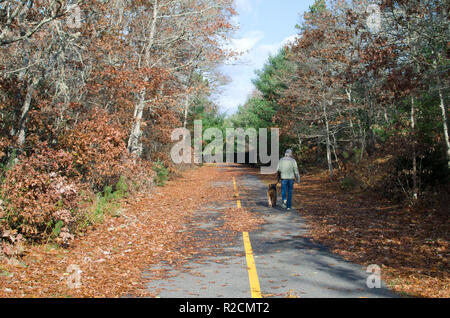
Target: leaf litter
<point x="152" y="229"/>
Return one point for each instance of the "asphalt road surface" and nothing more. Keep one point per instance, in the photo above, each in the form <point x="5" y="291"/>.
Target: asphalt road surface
<point x="278" y="260"/>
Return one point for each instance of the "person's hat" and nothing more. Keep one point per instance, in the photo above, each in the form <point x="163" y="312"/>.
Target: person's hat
<point x="288" y="153"/>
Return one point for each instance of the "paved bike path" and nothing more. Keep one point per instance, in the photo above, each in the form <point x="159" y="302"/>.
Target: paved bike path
<point x="288" y="264"/>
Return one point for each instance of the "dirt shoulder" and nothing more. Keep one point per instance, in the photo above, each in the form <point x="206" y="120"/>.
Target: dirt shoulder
<point x="410" y="247"/>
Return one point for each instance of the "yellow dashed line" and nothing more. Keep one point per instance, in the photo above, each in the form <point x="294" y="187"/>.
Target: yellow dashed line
<point x="252" y="274"/>
<point x="236" y="193"/>
<point x="251" y="266"/>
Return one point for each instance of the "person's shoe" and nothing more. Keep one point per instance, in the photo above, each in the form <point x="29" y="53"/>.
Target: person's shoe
<point x="288" y="209"/>
<point x="284" y="204"/>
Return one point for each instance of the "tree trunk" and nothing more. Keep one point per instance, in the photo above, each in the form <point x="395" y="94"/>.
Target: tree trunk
<point x="186" y="111"/>
<point x="335" y="146"/>
<point x="362" y="131"/>
<point x="349" y="99"/>
<point x="134" y="141"/>
<point x="21" y="132"/>
<point x="330" y="163"/>
<point x="151" y="38"/>
<point x="414" y="154"/>
<point x="444" y="111"/>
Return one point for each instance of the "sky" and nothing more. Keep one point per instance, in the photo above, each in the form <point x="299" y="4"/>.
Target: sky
<point x="264" y="27"/>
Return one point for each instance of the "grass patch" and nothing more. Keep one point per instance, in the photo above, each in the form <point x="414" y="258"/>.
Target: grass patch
<point x="4" y="272"/>
<point x="162" y="173"/>
<point x="348" y="183"/>
<point x="51" y="246"/>
<point x="107" y="202"/>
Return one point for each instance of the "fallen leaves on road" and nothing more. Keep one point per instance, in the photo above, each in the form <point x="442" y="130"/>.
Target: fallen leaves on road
<point x="411" y="247"/>
<point x="242" y="220"/>
<point x="112" y="256"/>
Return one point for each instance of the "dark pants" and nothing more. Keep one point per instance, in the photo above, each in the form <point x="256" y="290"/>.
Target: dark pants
<point x="287" y="185"/>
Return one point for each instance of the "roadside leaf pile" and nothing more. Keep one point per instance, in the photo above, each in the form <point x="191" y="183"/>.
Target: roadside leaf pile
<point x="411" y="247"/>
<point x="111" y="257"/>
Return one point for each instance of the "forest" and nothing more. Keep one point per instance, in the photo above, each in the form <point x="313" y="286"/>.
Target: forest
<point x="367" y="101"/>
<point x="91" y="90"/>
<point x="89" y="94"/>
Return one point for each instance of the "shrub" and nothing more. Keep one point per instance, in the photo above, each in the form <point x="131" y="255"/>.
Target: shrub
<point x="389" y="171"/>
<point x="162" y="173"/>
<point x="4" y="143"/>
<point x="99" y="150"/>
<point x="348" y="183"/>
<point x="107" y="202"/>
<point x="11" y="244"/>
<point x="138" y="175"/>
<point x="40" y="196"/>
<point x="43" y="195"/>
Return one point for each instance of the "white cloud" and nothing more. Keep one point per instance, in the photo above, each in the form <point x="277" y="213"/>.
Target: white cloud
<point x="274" y="48"/>
<point x="235" y="21"/>
<point x="289" y="39"/>
<point x="244" y="5"/>
<point x="246" y="43"/>
<point x="254" y="56"/>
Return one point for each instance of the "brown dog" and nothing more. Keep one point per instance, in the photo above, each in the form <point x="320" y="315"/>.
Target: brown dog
<point x="272" y="195"/>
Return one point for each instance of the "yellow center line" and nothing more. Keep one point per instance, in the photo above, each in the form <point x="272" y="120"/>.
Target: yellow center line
<point x="255" y="288"/>
<point x="252" y="274"/>
<point x="236" y="193"/>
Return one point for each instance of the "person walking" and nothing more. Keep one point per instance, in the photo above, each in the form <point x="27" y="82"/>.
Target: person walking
<point x="288" y="173"/>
